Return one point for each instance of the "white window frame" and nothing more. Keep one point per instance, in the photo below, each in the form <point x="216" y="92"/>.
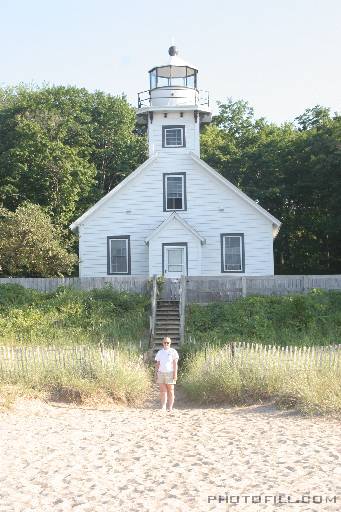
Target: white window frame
<point x="183" y="191"/>
<point x="127" y="242"/>
<point x="169" y="128"/>
<point x="224" y="236"/>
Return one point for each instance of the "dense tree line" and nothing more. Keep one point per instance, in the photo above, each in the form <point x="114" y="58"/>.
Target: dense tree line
<point x="293" y="171"/>
<point x="62" y="148"/>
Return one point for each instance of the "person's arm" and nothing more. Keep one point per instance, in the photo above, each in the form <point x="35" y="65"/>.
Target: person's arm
<point x="175" y="369"/>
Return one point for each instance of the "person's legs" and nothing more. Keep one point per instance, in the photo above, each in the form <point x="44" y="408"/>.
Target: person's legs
<point x="170" y="396"/>
<point x="163" y="395"/>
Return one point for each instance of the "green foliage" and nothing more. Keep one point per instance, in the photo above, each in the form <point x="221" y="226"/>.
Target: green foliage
<point x="64" y="147"/>
<point x="312" y="319"/>
<point x="30" y="245"/>
<point x="293" y="171"/>
<point x="69" y="315"/>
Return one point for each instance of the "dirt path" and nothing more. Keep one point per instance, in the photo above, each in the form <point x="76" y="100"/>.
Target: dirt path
<point x="61" y="458"/>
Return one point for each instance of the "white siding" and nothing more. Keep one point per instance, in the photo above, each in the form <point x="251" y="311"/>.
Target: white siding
<point x="137" y="209"/>
<point x="174" y="232"/>
<point x="173" y="118"/>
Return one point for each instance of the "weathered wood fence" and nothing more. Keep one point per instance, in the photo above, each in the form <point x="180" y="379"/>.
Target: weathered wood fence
<point x="215" y="289"/>
<point x="198" y="289"/>
<point x="254" y="355"/>
<point x="49" y="284"/>
<point x="80" y="359"/>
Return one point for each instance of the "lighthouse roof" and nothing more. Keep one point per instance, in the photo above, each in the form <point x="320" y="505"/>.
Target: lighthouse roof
<point x="174" y="60"/>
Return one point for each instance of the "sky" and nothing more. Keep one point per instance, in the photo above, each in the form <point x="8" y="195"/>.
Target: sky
<point x="282" y="56"/>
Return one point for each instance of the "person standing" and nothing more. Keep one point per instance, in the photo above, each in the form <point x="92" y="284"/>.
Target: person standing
<point x="167" y="373"/>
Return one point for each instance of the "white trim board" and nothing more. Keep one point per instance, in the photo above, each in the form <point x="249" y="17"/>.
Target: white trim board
<point x="170" y="218"/>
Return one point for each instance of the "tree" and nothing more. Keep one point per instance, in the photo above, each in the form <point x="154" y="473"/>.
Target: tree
<point x="63" y="148"/>
<point x="31" y="246"/>
<point x="116" y="148"/>
<point x="293" y="172"/>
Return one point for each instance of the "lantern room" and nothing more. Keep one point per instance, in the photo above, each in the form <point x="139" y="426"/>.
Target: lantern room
<point x="173" y="85"/>
<point x="176" y="73"/>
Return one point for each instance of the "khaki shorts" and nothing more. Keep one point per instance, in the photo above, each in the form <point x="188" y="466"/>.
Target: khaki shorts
<point x="165" y="378"/>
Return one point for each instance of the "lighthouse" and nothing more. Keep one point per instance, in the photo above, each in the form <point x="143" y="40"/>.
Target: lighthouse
<point x="174" y="215"/>
<point x="173" y="107"/>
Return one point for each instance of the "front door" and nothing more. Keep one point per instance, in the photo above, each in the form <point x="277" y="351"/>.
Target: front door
<point x="175" y="261"/>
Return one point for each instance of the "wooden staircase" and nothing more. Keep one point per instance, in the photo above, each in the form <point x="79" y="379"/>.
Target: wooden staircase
<point x="167" y="316"/>
<point x="167" y="323"/>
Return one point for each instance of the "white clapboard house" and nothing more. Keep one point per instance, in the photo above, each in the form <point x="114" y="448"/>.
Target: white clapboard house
<point x="175" y="215"/>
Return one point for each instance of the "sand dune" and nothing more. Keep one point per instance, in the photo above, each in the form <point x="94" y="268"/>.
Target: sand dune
<point x="57" y="457"/>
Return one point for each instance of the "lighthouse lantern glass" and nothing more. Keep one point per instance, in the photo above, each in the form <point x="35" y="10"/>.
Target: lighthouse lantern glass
<point x="153" y="80"/>
<point x="167" y="76"/>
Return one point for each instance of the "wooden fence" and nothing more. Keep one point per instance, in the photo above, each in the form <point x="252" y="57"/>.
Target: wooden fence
<point x="198" y="289"/>
<point x="49" y="284"/>
<point x="80" y="359"/>
<point x="254" y="355"/>
<point x="216" y="289"/>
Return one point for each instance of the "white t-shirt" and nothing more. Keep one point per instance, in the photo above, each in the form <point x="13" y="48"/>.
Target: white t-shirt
<point x="166" y="358"/>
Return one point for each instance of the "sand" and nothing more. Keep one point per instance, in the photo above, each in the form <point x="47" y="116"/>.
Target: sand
<point x="59" y="457"/>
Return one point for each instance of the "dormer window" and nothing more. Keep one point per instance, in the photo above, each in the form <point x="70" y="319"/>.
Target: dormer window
<point x="173" y="136"/>
<point x="174" y="192"/>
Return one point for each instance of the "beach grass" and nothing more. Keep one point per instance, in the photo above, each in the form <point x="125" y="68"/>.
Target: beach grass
<point x="116" y="376"/>
<point x="311" y="386"/>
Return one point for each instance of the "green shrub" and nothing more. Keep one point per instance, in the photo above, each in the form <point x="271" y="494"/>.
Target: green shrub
<point x="68" y="315"/>
<point x="16" y="295"/>
<point x="311" y="319"/>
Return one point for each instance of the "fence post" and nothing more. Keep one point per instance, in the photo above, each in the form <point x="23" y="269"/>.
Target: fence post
<point x="244" y="286"/>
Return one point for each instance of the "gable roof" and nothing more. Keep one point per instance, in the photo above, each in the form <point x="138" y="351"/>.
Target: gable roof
<point x="112" y="192"/>
<point x="170" y="218"/>
<point x="275" y="222"/>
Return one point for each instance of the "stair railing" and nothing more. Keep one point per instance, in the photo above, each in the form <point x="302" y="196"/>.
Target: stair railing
<point x="153" y="304"/>
<point x="182" y="306"/>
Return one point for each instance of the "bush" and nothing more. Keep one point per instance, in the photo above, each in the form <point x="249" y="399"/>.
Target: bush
<point x="31" y="245"/>
<point x="69" y="315"/>
<point x="311" y="319"/>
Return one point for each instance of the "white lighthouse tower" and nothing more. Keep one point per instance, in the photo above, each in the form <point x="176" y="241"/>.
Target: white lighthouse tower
<point x="173" y="107"/>
<point x="174" y="215"/>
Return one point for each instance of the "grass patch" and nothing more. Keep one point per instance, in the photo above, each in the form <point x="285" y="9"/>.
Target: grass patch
<point x="298" y="320"/>
<point x="215" y="376"/>
<point x="71" y="316"/>
<point x="118" y="376"/>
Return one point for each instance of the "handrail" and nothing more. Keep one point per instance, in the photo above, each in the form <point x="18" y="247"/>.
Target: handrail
<point x="182" y="307"/>
<point x="153" y="303"/>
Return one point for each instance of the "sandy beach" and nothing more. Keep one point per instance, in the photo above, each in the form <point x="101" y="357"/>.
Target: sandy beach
<point x="60" y="457"/>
